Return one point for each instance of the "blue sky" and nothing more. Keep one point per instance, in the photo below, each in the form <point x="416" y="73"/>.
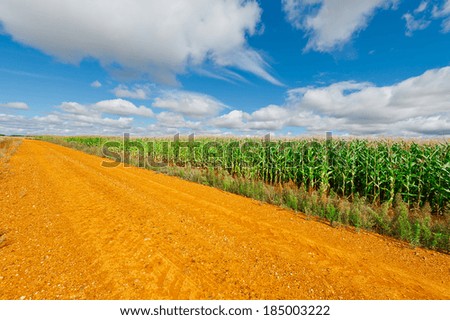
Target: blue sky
<point x="217" y="67"/>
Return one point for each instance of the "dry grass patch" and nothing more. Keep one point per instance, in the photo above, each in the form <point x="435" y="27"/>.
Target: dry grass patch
<point x="8" y="146"/>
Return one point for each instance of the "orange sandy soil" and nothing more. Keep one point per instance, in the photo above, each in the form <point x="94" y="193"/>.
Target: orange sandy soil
<point x="73" y="229"/>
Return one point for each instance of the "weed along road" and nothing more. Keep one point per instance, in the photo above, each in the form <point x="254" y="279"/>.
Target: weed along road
<point x="72" y="229"/>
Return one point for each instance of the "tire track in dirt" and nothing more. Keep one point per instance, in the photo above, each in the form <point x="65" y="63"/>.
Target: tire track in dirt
<point x="129" y="233"/>
<point x="118" y="234"/>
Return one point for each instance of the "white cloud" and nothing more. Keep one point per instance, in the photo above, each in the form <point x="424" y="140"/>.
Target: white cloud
<point x="423" y="15"/>
<point x="446" y="25"/>
<point x="138" y="92"/>
<point x="413" y="24"/>
<point x="158" y="38"/>
<point x="75" y="118"/>
<point x="418" y="20"/>
<point x="248" y="60"/>
<point x="76" y="108"/>
<point x="443" y="12"/>
<point x="269" y="118"/>
<point x="64" y="124"/>
<point x="271" y="112"/>
<point x="272" y="117"/>
<point x="232" y="120"/>
<point x="78" y="115"/>
<point x="116" y="107"/>
<point x="330" y="24"/>
<point x="96" y="84"/>
<point x="422" y="7"/>
<point x="121" y="122"/>
<point x="416" y="106"/>
<point x="15" y="105"/>
<point x="175" y="120"/>
<point x="190" y="104"/>
<point x="49" y="119"/>
<point x="122" y="107"/>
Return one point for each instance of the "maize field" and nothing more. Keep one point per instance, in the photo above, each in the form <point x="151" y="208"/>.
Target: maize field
<point x="378" y="171"/>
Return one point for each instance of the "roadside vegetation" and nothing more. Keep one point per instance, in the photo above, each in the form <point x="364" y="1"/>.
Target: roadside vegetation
<point x="8" y="147"/>
<point x="396" y="188"/>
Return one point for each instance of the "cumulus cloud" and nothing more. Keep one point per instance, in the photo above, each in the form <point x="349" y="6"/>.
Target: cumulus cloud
<point x="137" y="92"/>
<point x="81" y="120"/>
<point x="96" y="84"/>
<point x="418" y="106"/>
<point x="12" y="124"/>
<point x="118" y="107"/>
<point x="63" y="124"/>
<point x="190" y="104"/>
<point x="157" y="38"/>
<point x="79" y="115"/>
<point x="122" y="107"/>
<point x="15" y="105"/>
<point x="175" y="121"/>
<point x="235" y="119"/>
<point x="269" y="113"/>
<point x="415" y="106"/>
<point x="330" y="24"/>
<point x="77" y="118"/>
<point x="76" y="108"/>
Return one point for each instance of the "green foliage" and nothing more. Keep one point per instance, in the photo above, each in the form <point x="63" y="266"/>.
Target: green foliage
<point x="290" y="199"/>
<point x="402" y="223"/>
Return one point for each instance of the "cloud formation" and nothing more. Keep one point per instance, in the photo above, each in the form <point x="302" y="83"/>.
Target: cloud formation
<point x="174" y="121"/>
<point x="417" y="20"/>
<point x="422" y="7"/>
<point x="122" y="108"/>
<point x="96" y="84"/>
<point x="425" y="13"/>
<point x="15" y="105"/>
<point x="235" y="119"/>
<point x="157" y="38"/>
<point x="443" y="12"/>
<point x="414" y="24"/>
<point x="416" y="106"/>
<point x="64" y="124"/>
<point x="330" y="24"/>
<point x="118" y="107"/>
<point x="137" y="92"/>
<point x="71" y="118"/>
<point x="189" y="104"/>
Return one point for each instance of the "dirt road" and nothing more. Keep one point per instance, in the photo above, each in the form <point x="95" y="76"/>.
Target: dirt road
<point x="73" y="229"/>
